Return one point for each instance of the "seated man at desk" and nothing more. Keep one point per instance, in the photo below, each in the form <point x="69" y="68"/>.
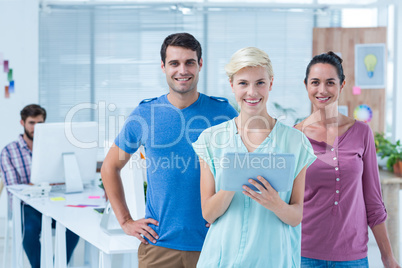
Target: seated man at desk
<point x="15" y="165"/>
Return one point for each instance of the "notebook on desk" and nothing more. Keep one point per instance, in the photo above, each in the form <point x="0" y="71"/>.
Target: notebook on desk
<point x="277" y="169"/>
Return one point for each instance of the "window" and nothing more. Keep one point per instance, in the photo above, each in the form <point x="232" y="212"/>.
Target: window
<point x="108" y="56"/>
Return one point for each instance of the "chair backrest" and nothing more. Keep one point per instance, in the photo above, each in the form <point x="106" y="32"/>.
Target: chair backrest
<point x="133" y="176"/>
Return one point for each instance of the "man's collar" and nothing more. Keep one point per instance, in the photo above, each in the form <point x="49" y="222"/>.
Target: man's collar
<point x="22" y="142"/>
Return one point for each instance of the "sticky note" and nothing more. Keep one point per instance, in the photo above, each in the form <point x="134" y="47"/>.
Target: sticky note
<point x="94" y="197"/>
<point x="10" y="75"/>
<point x="5" y="66"/>
<point x="57" y="199"/>
<point x="11" y="87"/>
<point x="357" y="90"/>
<point x="6" y="92"/>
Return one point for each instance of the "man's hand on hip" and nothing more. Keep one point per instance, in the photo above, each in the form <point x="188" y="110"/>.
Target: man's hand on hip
<point x="140" y="227"/>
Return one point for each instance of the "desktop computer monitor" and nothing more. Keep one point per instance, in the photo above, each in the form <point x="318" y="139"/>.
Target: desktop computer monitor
<point x="65" y="153"/>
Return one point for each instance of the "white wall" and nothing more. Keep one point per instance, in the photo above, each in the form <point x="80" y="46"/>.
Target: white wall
<point x="18" y="44"/>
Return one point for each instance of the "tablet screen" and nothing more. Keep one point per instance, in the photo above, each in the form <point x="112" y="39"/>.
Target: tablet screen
<point x="277" y="169"/>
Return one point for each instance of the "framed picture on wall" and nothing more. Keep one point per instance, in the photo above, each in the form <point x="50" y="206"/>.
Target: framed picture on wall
<point x="370" y="66"/>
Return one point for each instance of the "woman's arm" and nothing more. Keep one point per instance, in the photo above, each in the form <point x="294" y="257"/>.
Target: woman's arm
<point x="381" y="236"/>
<point x="213" y="204"/>
<point x="375" y="210"/>
<point x="291" y="213"/>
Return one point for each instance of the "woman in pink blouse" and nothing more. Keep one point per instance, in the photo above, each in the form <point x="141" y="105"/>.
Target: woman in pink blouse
<point x="343" y="194"/>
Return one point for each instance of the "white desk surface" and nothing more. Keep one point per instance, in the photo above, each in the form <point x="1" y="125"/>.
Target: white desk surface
<point x="85" y="222"/>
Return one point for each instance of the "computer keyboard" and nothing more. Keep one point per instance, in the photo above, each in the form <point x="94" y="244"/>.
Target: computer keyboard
<point x="58" y="188"/>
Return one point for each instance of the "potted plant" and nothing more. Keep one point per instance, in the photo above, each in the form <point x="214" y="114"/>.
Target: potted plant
<point x="394" y="162"/>
<point x="384" y="149"/>
<point x="100" y="185"/>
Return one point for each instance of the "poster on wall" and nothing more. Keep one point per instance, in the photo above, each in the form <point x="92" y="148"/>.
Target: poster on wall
<point x="370" y="66"/>
<point x="7" y="80"/>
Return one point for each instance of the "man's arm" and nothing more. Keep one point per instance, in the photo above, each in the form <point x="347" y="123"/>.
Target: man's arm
<point x="115" y="160"/>
<point x="9" y="172"/>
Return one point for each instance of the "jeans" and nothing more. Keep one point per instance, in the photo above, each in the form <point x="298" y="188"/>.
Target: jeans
<point x="31" y="228"/>
<point x="314" y="263"/>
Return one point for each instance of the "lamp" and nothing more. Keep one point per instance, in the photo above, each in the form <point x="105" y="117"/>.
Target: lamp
<point x="370" y="61"/>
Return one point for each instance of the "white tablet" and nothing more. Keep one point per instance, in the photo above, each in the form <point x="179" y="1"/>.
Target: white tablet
<point x="277" y="169"/>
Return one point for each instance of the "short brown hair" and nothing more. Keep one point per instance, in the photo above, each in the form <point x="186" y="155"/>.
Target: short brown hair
<point x="184" y="40"/>
<point x="32" y="110"/>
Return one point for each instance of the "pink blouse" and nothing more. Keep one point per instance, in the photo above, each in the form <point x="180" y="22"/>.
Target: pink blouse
<point x="342" y="197"/>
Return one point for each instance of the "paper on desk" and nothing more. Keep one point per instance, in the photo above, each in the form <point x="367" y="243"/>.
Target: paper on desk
<point x="58" y="198"/>
<point x="81" y="206"/>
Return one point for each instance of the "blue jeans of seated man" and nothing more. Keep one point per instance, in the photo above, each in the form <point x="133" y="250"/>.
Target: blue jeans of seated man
<point x="31" y="228"/>
<point x="314" y="263"/>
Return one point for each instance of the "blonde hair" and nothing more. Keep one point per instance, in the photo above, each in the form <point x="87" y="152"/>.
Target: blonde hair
<point x="248" y="57"/>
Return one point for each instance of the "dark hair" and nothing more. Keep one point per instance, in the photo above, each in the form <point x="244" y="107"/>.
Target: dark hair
<point x="184" y="40"/>
<point x="328" y="58"/>
<point x="32" y="110"/>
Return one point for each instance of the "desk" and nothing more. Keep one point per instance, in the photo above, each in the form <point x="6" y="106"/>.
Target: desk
<point x="82" y="221"/>
<point x="391" y="184"/>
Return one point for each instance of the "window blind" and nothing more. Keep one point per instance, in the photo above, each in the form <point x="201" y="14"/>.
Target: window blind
<point x="109" y="57"/>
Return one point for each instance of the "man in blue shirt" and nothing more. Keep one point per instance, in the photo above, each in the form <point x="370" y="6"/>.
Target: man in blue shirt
<point x="173" y="230"/>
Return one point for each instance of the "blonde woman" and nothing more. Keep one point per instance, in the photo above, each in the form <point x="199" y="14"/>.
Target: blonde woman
<point x="249" y="228"/>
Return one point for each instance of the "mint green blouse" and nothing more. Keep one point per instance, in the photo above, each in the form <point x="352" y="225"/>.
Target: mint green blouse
<point x="247" y="234"/>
